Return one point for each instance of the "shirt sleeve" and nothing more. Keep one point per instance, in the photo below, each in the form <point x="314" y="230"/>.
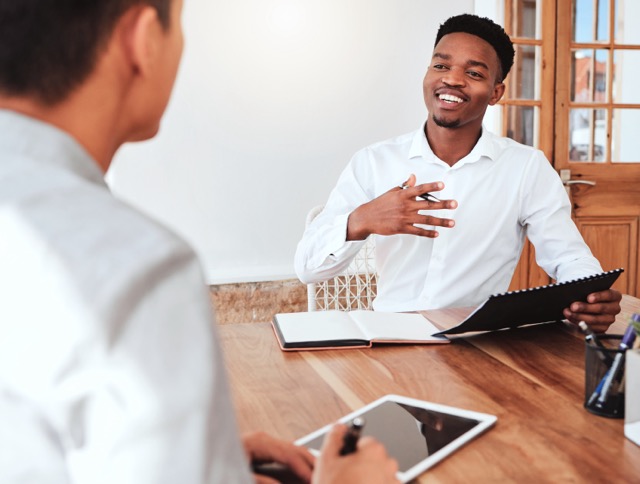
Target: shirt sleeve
<point x="546" y="215"/>
<point x="323" y="252"/>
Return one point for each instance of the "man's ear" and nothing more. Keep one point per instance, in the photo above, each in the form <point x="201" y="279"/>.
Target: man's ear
<point x="144" y="33"/>
<point x="498" y="92"/>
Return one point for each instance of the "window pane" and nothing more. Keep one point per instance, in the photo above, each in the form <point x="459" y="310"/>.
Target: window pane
<point x="626" y="71"/>
<point x="625" y="142"/>
<point x="627" y="31"/>
<point x="523" y="78"/>
<point x="587" y="134"/>
<point x="589" y="75"/>
<point x="525" y="15"/>
<point x="591" y="20"/>
<point x="521" y="124"/>
<point x="602" y="29"/>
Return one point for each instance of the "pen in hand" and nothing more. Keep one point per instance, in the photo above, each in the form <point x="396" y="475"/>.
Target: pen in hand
<point x="425" y="196"/>
<point x="350" y="440"/>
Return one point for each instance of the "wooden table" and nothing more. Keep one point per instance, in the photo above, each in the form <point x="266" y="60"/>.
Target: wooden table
<point x="531" y="378"/>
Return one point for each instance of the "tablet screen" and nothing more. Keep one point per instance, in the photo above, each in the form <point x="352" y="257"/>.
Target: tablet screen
<point x="417" y="434"/>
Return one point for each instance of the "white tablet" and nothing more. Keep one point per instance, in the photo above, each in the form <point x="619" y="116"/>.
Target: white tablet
<point x="416" y="433"/>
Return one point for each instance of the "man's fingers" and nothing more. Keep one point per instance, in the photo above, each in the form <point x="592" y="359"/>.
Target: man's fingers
<point x="411" y="181"/>
<point x="439" y="222"/>
<point x="427" y="187"/>
<point x="431" y="234"/>
<point x="599" y="308"/>
<point x="610" y="295"/>
<point x="597" y="322"/>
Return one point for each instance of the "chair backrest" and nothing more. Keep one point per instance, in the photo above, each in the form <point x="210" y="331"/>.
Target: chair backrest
<point x="354" y="288"/>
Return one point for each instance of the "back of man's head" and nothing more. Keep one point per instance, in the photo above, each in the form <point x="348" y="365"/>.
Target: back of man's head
<point x="487" y="30"/>
<point x="49" y="47"/>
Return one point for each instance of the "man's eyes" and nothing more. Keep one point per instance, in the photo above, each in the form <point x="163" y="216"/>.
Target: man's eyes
<point x="443" y="67"/>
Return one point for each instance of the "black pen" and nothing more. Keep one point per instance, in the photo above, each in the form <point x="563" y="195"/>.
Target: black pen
<point x="352" y="435"/>
<point x="425" y="196"/>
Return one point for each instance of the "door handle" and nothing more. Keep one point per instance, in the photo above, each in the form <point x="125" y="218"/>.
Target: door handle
<point x="565" y="176"/>
<point x="576" y="182"/>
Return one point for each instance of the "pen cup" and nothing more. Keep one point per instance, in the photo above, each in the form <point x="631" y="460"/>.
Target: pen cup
<point x="604" y="377"/>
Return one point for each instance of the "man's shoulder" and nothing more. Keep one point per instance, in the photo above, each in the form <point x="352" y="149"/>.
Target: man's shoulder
<point x="390" y="147"/>
<point x="508" y="149"/>
<point x="504" y="142"/>
<point x="82" y="229"/>
<point x="401" y="140"/>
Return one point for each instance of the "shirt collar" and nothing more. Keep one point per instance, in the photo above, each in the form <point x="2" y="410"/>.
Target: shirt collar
<point x="45" y="143"/>
<point x="486" y="147"/>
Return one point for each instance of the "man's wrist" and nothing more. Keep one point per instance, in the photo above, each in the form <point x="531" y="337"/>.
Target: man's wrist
<point x="354" y="229"/>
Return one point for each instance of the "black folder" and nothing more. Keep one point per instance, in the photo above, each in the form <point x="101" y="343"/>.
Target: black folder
<point x="541" y="304"/>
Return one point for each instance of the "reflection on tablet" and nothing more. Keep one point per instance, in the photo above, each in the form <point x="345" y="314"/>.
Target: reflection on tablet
<point x="417" y="434"/>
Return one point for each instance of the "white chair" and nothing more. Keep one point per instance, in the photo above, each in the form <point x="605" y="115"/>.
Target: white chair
<point x="355" y="288"/>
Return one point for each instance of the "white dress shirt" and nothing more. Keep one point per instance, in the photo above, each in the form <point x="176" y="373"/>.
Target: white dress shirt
<point x="109" y="367"/>
<point x="505" y="192"/>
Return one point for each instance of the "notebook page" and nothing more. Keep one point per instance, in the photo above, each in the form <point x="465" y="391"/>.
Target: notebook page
<point x="384" y="326"/>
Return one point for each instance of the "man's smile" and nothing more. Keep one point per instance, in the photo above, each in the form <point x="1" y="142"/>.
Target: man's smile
<point x="450" y="98"/>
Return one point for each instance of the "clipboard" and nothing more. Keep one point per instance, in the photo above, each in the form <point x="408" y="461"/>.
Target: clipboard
<point x="542" y="304"/>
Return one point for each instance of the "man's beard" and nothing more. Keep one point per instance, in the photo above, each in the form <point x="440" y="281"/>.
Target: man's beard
<point x="444" y="123"/>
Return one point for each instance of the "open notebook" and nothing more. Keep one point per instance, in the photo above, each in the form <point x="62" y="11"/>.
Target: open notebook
<point x="351" y="329"/>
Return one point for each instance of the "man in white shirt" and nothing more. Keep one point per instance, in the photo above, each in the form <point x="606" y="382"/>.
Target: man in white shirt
<point x="109" y="367"/>
<point x="501" y="192"/>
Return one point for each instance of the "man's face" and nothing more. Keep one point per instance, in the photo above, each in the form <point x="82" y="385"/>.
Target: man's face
<point x="462" y="80"/>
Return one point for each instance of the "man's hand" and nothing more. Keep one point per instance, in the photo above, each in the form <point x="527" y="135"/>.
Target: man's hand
<point x="369" y="463"/>
<point x="599" y="312"/>
<point x="396" y="212"/>
<point x="261" y="448"/>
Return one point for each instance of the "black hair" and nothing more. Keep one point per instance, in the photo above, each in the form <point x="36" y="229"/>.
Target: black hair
<point x="49" y="47"/>
<point x="488" y="31"/>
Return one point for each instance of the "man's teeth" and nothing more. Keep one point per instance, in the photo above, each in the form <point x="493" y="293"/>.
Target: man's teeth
<point x="450" y="98"/>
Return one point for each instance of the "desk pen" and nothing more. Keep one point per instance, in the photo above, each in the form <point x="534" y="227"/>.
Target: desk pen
<point x="618" y="361"/>
<point x="352" y="435"/>
<point x="425" y="196"/>
<point x="591" y="336"/>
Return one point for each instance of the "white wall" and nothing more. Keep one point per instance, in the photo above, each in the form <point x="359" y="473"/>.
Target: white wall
<point x="272" y="99"/>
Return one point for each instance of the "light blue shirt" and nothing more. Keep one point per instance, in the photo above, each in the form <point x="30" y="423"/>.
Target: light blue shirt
<point x="109" y="367"/>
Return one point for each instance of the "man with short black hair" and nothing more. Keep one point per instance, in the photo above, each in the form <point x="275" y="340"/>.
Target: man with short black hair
<point x="110" y="371"/>
<point x="501" y="191"/>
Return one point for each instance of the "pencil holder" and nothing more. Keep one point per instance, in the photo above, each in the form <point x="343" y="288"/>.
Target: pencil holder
<point x="604" y="377"/>
<point x="632" y="396"/>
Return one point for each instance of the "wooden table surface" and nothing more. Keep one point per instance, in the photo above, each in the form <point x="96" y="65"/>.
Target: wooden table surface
<point x="531" y="378"/>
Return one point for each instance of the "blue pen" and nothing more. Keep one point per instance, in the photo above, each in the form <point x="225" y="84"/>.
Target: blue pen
<point x="597" y="391"/>
<point x="609" y="377"/>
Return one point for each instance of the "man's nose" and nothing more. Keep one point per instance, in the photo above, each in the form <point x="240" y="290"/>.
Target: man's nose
<point x="454" y="77"/>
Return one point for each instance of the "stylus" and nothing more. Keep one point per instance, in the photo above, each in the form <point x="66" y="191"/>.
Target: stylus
<point x="352" y="435"/>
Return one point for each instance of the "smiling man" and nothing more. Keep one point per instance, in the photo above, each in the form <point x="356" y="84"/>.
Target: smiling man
<point x="493" y="191"/>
